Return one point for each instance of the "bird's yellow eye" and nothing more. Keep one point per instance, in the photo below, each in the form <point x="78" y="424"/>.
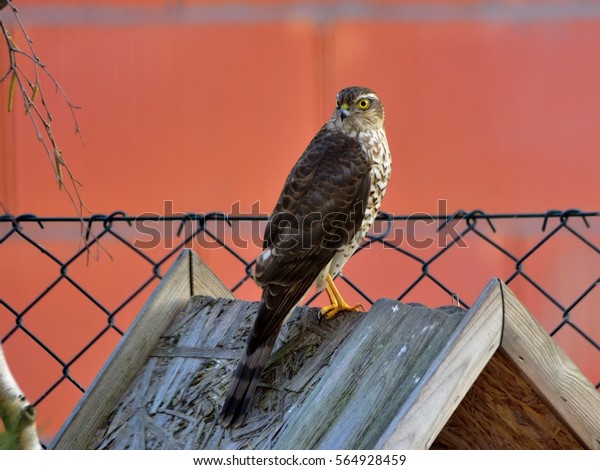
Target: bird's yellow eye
<point x="364" y="104"/>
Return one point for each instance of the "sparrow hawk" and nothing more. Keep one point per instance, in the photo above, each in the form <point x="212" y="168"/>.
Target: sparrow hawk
<point x="328" y="203"/>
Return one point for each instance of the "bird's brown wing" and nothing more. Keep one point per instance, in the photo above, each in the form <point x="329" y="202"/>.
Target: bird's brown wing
<point x="319" y="211"/>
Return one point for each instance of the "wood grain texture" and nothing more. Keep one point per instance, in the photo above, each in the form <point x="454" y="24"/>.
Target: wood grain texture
<point x="460" y="362"/>
<point x="345" y="379"/>
<point x="187" y="274"/>
<point x="503" y="411"/>
<point x="381" y="366"/>
<point x="181" y="395"/>
<point x="550" y="371"/>
<point x="203" y="281"/>
<point x="390" y="378"/>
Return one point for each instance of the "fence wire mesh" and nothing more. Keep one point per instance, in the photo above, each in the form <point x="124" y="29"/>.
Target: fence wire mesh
<point x="71" y="287"/>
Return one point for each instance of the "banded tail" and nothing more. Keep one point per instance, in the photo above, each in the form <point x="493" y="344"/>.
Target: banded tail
<point x="277" y="303"/>
<point x="246" y="377"/>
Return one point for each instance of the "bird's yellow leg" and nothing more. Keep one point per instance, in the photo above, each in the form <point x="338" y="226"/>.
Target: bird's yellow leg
<point x="338" y="304"/>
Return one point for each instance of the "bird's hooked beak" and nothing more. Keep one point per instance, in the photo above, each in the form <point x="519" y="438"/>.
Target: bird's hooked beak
<point x="344" y="111"/>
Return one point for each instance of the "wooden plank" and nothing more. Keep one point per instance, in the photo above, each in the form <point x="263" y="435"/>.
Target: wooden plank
<point x="503" y="411"/>
<point x="203" y="281"/>
<point x="552" y="374"/>
<point x="196" y="353"/>
<point x="382" y="371"/>
<point x="186" y="276"/>
<point x="424" y="415"/>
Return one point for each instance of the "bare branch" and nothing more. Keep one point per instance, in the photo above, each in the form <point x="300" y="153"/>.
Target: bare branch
<point x="16" y="413"/>
<point x="31" y="89"/>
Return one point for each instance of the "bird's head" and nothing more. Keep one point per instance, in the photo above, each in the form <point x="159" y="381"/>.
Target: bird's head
<point x="357" y="109"/>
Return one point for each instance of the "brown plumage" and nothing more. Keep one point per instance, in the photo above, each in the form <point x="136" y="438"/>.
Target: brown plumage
<point x="327" y="205"/>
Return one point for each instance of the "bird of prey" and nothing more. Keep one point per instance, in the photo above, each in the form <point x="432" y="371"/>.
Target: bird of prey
<point x="328" y="203"/>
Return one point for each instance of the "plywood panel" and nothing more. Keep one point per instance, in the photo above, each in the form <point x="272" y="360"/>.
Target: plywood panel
<point x="502" y="411"/>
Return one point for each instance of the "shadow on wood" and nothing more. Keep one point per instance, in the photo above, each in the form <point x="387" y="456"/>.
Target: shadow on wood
<point x="389" y="378"/>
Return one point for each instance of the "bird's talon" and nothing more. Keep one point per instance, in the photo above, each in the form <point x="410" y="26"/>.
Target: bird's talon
<point x="329" y="312"/>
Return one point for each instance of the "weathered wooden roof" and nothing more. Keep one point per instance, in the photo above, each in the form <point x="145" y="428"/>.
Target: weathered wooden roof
<point x="401" y="376"/>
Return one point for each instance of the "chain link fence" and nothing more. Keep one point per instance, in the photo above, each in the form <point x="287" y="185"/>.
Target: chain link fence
<point x="71" y="287"/>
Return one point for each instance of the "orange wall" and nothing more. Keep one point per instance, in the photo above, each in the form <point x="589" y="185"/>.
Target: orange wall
<point x="491" y="106"/>
<point x="492" y="113"/>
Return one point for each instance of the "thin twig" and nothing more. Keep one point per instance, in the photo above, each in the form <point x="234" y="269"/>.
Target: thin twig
<point x="36" y="108"/>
